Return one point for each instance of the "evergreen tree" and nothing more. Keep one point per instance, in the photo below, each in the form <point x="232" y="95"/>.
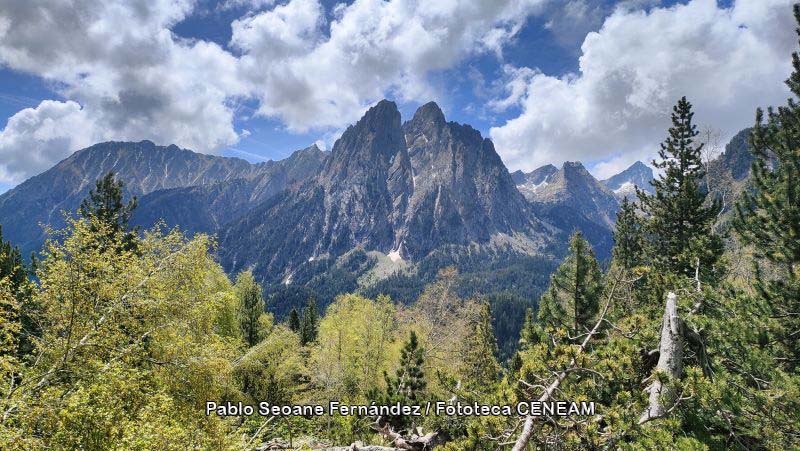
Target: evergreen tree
<point x="679" y="224"/>
<point x="573" y="297"/>
<point x="294" y="321"/>
<point x="768" y="217"/>
<point x="628" y="238"/>
<point x="105" y="205"/>
<point x="409" y="385"/>
<point x="480" y="363"/>
<point x="531" y="332"/>
<point x="11" y="265"/>
<point x="309" y="325"/>
<point x="251" y="307"/>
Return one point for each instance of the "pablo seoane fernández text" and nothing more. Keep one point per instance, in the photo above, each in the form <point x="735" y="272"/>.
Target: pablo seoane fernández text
<point x="533" y="408"/>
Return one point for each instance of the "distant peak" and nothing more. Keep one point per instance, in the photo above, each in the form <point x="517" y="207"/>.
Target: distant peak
<point x="383" y="112"/>
<point x="430" y="112"/>
<point x="573" y="166"/>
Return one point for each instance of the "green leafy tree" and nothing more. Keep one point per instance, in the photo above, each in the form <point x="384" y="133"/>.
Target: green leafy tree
<point x="679" y="225"/>
<point x="105" y="203"/>
<point x="768" y="216"/>
<point x="251" y="308"/>
<point x="294" y="321"/>
<point x="628" y="238"/>
<point x="309" y="325"/>
<point x="572" y="300"/>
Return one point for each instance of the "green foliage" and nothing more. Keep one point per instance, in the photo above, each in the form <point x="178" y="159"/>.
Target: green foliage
<point x="678" y="225"/>
<point x="294" y="321"/>
<point x="768" y="217"/>
<point x="253" y="322"/>
<point x="272" y="370"/>
<point x="572" y="300"/>
<point x="308" y="326"/>
<point x="481" y="369"/>
<point x="408" y="386"/>
<point x="628" y="237"/>
<point x="105" y="205"/>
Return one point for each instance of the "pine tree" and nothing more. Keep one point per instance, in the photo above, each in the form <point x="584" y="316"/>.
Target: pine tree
<point x="531" y="332"/>
<point x="627" y="251"/>
<point x="309" y="325"/>
<point x="480" y="364"/>
<point x="294" y="321"/>
<point x="768" y="217"/>
<point x="408" y="385"/>
<point x="105" y="205"/>
<point x="679" y="224"/>
<point x="573" y="297"/>
<point x="251" y="307"/>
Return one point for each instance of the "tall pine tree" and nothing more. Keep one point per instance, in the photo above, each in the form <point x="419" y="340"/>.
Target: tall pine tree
<point x="627" y="252"/>
<point x="572" y="300"/>
<point x="680" y="238"/>
<point x="294" y="321"/>
<point x="309" y="324"/>
<point x="251" y="307"/>
<point x="105" y="205"/>
<point x="480" y="363"/>
<point x="768" y="217"/>
<point x="408" y="386"/>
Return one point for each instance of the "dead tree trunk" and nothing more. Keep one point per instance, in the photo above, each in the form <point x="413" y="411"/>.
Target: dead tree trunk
<point x="670" y="363"/>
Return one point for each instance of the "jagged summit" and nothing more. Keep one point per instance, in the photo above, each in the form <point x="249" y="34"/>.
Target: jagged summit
<point x="624" y="184"/>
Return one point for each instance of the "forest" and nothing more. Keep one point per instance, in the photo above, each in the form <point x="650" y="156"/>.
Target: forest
<point x="115" y="338"/>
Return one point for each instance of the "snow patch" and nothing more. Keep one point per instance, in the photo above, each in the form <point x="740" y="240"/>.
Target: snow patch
<point x="395" y="255"/>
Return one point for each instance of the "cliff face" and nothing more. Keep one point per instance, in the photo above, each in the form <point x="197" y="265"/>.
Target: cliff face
<point x="404" y="190"/>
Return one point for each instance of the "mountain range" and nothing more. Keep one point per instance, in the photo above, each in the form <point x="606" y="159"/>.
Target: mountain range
<point x="392" y="199"/>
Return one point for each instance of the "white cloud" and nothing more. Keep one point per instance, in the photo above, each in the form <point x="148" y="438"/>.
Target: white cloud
<point x="35" y="138"/>
<point x="131" y="78"/>
<point x="312" y="79"/>
<point x="726" y="61"/>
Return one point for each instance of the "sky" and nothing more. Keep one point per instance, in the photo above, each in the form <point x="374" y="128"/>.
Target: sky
<point x="547" y="80"/>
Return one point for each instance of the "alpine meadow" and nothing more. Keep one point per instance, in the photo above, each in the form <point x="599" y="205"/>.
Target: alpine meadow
<point x="394" y="286"/>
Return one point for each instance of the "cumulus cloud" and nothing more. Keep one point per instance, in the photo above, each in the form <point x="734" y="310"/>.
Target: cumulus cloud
<point x="131" y="78"/>
<point x="726" y="61"/>
<point x="34" y="138"/>
<point x="308" y="78"/>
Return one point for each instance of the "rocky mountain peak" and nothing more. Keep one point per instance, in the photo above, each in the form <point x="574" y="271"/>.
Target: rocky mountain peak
<point x="624" y="184"/>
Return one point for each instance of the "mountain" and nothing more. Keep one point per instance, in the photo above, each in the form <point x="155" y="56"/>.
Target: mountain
<point x="193" y="190"/>
<point x="571" y="198"/>
<point x="205" y="208"/>
<point x="144" y="166"/>
<point x="528" y="183"/>
<point x="403" y="190"/>
<point x="625" y="183"/>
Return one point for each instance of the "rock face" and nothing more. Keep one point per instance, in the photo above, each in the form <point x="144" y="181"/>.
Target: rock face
<point x="143" y="166"/>
<point x="737" y="157"/>
<point x="403" y="190"/>
<point x="624" y="184"/>
<point x="529" y="183"/>
<point x="207" y="207"/>
<point x="572" y="199"/>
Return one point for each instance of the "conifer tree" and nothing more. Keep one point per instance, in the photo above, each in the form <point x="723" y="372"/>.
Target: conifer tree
<point x="408" y="385"/>
<point x="480" y="363"/>
<point x="768" y="217"/>
<point x="573" y="297"/>
<point x="628" y="238"/>
<point x="105" y="205"/>
<point x="308" y="327"/>
<point x="294" y="321"/>
<point x="251" y="307"/>
<point x="679" y="224"/>
<point x="531" y="332"/>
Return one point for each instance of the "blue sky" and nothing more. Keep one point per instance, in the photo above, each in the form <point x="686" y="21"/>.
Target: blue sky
<point x="258" y="79"/>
